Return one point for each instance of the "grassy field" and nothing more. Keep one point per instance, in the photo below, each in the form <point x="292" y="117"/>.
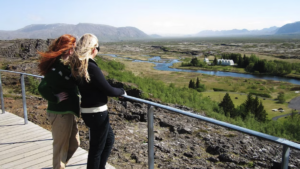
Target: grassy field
<point x="239" y="98"/>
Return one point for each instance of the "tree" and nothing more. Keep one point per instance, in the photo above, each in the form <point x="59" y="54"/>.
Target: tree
<point x="201" y="88"/>
<point x="261" y="114"/>
<point x="248" y="103"/>
<point x="192" y="84"/>
<point x="240" y="62"/>
<point x="227" y="105"/>
<point x="246" y="61"/>
<point x="197" y="83"/>
<point x="280" y="97"/>
<point x="195" y="62"/>
<point x="215" y="61"/>
<point x="254" y="106"/>
<point x="241" y="111"/>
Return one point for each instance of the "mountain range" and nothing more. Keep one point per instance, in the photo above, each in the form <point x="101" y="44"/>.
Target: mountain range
<point x="110" y="33"/>
<point x="103" y="32"/>
<point x="292" y="28"/>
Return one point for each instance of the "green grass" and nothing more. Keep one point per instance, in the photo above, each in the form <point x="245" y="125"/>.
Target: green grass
<point x="268" y="104"/>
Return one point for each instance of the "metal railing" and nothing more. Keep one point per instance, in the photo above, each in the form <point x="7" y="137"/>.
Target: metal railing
<point x="286" y="143"/>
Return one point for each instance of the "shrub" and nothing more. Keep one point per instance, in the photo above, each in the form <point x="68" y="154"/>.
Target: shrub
<point x="261" y="94"/>
<point x="218" y="89"/>
<point x="295" y="88"/>
<point x="33" y="84"/>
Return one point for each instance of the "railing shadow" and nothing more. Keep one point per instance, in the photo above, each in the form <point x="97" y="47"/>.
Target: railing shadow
<point x="11" y="125"/>
<point x="25" y="142"/>
<point x="72" y="165"/>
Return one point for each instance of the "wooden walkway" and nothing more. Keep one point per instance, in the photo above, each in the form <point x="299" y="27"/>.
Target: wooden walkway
<point x="30" y="146"/>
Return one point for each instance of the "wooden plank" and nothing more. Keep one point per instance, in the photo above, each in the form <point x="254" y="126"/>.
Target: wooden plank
<point x="46" y="163"/>
<point x="30" y="146"/>
<point x="6" y="126"/>
<point x="74" y="159"/>
<point x="16" y="146"/>
<point x="25" y="136"/>
<point x="9" y="116"/>
<point x="29" y="160"/>
<point x="15" y="156"/>
<point x="22" y="130"/>
<point x="23" y="143"/>
<point x="78" y="164"/>
<point x="11" y="121"/>
<point x="5" y="117"/>
<point x="34" y="161"/>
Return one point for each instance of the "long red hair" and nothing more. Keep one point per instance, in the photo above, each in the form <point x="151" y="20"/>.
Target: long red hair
<point x="58" y="47"/>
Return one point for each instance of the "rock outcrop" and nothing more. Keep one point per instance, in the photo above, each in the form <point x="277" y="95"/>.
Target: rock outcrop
<point x="185" y="142"/>
<point x="22" y="48"/>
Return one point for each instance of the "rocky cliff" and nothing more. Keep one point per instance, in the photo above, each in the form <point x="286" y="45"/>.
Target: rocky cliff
<point x="22" y="48"/>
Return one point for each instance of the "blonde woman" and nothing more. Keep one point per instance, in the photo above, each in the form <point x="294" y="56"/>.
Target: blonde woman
<point x="94" y="90"/>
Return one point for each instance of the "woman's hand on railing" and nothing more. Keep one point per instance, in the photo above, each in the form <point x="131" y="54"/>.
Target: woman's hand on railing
<point x="62" y="96"/>
<point x="125" y="94"/>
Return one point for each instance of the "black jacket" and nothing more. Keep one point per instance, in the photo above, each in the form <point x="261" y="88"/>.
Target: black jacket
<point x="95" y="92"/>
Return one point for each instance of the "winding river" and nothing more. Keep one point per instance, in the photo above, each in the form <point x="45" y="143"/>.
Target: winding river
<point x="164" y="65"/>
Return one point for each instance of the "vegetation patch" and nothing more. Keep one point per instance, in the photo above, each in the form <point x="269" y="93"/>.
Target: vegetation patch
<point x="261" y="94"/>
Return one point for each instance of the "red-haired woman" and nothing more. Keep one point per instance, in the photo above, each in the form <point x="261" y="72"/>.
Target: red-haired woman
<point x="59" y="89"/>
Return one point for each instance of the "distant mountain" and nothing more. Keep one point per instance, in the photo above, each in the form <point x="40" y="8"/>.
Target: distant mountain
<point x="292" y="28"/>
<point x="103" y="32"/>
<point x="237" y="32"/>
<point x="155" y="36"/>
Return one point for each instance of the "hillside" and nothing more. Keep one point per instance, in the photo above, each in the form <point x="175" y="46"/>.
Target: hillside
<point x="50" y="31"/>
<point x="292" y="28"/>
<point x="237" y="32"/>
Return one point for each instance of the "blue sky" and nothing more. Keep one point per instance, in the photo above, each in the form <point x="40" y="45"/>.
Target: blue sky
<point x="164" y="17"/>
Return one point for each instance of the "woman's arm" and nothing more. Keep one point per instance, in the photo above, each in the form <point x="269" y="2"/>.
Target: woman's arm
<point x="98" y="80"/>
<point x="46" y="92"/>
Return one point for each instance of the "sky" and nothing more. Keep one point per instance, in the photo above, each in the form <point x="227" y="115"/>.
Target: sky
<point x="163" y="17"/>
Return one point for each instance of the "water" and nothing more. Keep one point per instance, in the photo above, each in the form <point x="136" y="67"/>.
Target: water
<point x="163" y="65"/>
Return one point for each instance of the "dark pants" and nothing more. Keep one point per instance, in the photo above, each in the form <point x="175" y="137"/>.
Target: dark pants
<point x="101" y="139"/>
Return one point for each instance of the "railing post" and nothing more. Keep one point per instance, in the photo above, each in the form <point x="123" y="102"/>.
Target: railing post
<point x="1" y="93"/>
<point x="150" y="138"/>
<point x="285" y="157"/>
<point x="24" y="99"/>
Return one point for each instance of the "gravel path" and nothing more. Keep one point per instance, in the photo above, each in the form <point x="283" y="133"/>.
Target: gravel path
<point x="277" y="117"/>
<point x="295" y="103"/>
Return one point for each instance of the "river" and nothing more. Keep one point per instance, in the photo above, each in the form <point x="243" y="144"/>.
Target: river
<point x="164" y="65"/>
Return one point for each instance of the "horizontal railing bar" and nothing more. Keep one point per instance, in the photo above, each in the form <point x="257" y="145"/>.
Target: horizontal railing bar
<point x="220" y="123"/>
<point x="21" y="73"/>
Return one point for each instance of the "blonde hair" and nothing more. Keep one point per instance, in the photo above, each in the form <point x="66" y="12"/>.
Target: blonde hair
<point x="83" y="52"/>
